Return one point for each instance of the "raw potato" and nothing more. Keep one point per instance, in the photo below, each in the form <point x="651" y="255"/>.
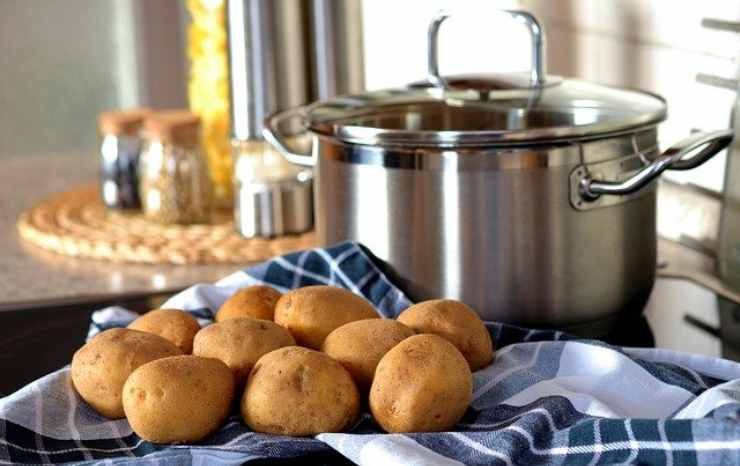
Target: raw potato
<point x="101" y="367"/>
<point x="178" y="399"/>
<point x="360" y="345"/>
<point x="240" y="343"/>
<point x="298" y="391"/>
<point x="423" y="384"/>
<point x="175" y="325"/>
<point x="256" y="301"/>
<point x="456" y="322"/>
<point x="313" y="312"/>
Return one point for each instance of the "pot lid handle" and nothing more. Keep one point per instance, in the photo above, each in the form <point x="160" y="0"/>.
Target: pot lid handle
<point x="537" y="71"/>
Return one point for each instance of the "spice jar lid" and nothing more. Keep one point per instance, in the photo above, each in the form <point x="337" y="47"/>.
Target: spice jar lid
<point x="122" y="122"/>
<point x="179" y="127"/>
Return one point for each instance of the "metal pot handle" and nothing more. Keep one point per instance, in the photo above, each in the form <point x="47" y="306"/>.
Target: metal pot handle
<point x="674" y="158"/>
<point x="537" y="71"/>
<point x="272" y="134"/>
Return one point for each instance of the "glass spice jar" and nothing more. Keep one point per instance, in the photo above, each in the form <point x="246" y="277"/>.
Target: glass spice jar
<point x="120" y="147"/>
<point x="174" y="181"/>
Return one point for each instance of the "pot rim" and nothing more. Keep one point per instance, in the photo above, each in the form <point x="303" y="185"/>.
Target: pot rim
<point x="370" y="118"/>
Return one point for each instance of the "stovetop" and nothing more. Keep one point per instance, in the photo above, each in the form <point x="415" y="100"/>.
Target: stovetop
<point x="685" y="316"/>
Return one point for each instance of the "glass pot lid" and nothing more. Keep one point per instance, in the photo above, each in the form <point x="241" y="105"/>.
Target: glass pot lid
<point x="486" y="109"/>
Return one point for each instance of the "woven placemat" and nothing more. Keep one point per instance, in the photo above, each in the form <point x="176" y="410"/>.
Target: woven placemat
<point x="76" y="223"/>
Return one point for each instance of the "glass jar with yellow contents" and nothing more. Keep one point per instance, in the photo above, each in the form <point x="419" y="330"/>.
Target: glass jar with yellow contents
<point x="208" y="90"/>
<point x="174" y="183"/>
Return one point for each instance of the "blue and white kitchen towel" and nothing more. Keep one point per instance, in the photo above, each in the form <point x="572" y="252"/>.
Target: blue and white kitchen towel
<point x="548" y="398"/>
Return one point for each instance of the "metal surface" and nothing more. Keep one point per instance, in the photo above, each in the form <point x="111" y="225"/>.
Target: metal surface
<point x="537" y="71"/>
<point x="683" y="155"/>
<point x="268" y="61"/>
<point x="119" y="178"/>
<point x="336" y="48"/>
<point x="505" y="241"/>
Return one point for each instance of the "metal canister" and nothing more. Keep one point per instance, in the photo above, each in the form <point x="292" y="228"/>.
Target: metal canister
<point x="120" y="147"/>
<point x="174" y="181"/>
<point x="283" y="53"/>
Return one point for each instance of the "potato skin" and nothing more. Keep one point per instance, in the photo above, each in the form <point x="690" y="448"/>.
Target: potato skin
<point x="360" y="345"/>
<point x="175" y="325"/>
<point x="239" y="343"/>
<point x="423" y="384"/>
<point x="313" y="312"/>
<point x="257" y="302"/>
<point x="297" y="391"/>
<point x="178" y="399"/>
<point x="457" y="323"/>
<point x="100" y="368"/>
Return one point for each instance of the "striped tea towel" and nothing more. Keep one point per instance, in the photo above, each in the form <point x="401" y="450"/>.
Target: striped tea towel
<point x="548" y="398"/>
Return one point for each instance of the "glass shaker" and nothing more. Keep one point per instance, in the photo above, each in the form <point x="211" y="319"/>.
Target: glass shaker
<point x="272" y="197"/>
<point x="174" y="181"/>
<point x="119" y="156"/>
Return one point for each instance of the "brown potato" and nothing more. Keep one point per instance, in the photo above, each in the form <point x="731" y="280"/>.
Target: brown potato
<point x="240" y="343"/>
<point x="298" y="391"/>
<point x="178" y="399"/>
<point x="256" y="301"/>
<point x="360" y="345"/>
<point x="175" y="325"/>
<point x="101" y="367"/>
<point x="456" y="322"/>
<point x="423" y="384"/>
<point x="313" y="312"/>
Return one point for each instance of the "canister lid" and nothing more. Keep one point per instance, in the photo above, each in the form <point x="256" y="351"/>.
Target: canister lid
<point x="484" y="110"/>
<point x="179" y="127"/>
<point x="122" y="122"/>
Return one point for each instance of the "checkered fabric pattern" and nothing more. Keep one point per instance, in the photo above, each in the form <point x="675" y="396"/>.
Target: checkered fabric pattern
<point x="548" y="398"/>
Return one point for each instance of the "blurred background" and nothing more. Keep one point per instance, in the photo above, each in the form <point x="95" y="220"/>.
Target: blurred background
<point x="65" y="62"/>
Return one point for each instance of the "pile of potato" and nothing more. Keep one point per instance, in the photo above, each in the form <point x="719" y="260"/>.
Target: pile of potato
<point x="301" y="363"/>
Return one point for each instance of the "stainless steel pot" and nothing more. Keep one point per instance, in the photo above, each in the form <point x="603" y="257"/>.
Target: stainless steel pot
<point x="531" y="198"/>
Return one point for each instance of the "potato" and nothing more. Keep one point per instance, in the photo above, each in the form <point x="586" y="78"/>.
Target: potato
<point x="102" y="365"/>
<point x="298" y="391"/>
<point x="313" y="312"/>
<point x="178" y="399"/>
<point x="456" y="322"/>
<point x="423" y="384"/>
<point x="175" y="325"/>
<point x="240" y="343"/>
<point x="256" y="301"/>
<point x="360" y="345"/>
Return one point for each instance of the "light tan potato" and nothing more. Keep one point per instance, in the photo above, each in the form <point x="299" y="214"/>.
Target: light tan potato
<point x="423" y="384"/>
<point x="360" y="345"/>
<point x="175" y="325"/>
<point x="178" y="399"/>
<point x="101" y="367"/>
<point x="313" y="312"/>
<point x="456" y="322"/>
<point x="298" y="391"/>
<point x="256" y="301"/>
<point x="240" y="343"/>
